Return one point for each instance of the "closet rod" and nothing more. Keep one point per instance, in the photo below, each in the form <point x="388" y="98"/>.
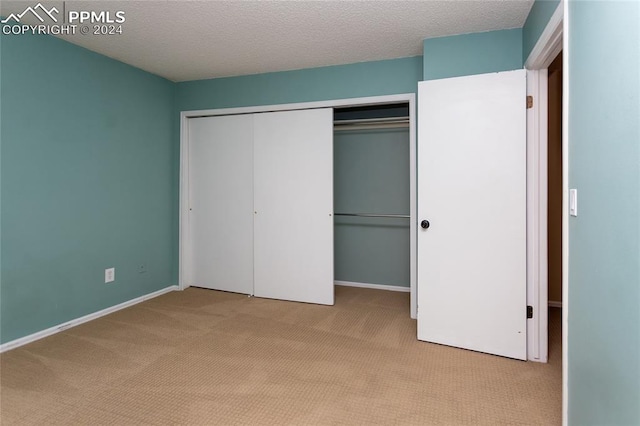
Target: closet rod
<point x="396" y="216"/>
<point x="373" y="120"/>
<point x="369" y="126"/>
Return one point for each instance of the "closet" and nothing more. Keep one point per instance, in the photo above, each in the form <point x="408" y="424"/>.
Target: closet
<point x="261" y="203"/>
<point x="258" y="194"/>
<point x="372" y="196"/>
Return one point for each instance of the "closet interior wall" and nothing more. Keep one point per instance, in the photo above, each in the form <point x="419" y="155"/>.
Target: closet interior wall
<point x="371" y="178"/>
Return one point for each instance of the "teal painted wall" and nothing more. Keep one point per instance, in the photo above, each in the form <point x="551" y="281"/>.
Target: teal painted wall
<point x="314" y="84"/>
<point x="371" y="175"/>
<point x="604" y="239"/>
<point x="469" y="54"/>
<point x="336" y="82"/>
<point x="86" y="183"/>
<point x="538" y="18"/>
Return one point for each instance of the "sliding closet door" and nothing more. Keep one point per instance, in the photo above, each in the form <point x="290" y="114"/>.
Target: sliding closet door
<point x="221" y="203"/>
<point x="293" y="184"/>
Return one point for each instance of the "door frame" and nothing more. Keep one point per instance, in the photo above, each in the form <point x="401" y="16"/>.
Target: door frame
<point x="546" y="49"/>
<point x="537" y="264"/>
<point x="410" y="98"/>
<point x="552" y="40"/>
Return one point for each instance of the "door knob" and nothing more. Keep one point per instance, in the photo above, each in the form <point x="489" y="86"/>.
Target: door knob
<point x="424" y="224"/>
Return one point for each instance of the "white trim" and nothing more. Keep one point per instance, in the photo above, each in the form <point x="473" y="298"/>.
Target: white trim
<point x="373" y="286"/>
<point x="565" y="216"/>
<point x="549" y="44"/>
<point x="66" y="325"/>
<point x="537" y="200"/>
<point x="183" y="225"/>
<point x="544" y="52"/>
<point x="372" y="100"/>
<point x="413" y="209"/>
<point x="554" y="304"/>
<point x="554" y="38"/>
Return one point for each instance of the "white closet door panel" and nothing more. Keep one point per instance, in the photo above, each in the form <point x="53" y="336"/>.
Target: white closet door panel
<point x="221" y="203"/>
<point x="293" y="184"/>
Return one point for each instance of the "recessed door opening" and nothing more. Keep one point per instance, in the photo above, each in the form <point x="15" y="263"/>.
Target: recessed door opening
<point x="278" y="157"/>
<point x="554" y="207"/>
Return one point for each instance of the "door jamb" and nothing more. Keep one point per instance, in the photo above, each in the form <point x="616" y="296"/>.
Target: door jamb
<point x="553" y="39"/>
<point x="537" y="285"/>
<point x="409" y="98"/>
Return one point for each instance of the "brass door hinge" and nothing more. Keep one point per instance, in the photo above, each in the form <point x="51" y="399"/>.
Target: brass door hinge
<point x="529" y="102"/>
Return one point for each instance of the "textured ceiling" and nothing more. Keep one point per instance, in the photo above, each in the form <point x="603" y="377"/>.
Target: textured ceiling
<point x="190" y="40"/>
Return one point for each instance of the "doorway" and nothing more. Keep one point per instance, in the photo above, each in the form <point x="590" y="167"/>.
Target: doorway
<point x="554" y="205"/>
<point x="185" y="252"/>
<point x="554" y="182"/>
<point x="544" y="59"/>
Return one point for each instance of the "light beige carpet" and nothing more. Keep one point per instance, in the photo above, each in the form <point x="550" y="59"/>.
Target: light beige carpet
<point x="206" y="357"/>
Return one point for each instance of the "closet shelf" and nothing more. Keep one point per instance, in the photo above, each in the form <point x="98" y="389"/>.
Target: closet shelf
<point x="394" y="216"/>
<point x="371" y="123"/>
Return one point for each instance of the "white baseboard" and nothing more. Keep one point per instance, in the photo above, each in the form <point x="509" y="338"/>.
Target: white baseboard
<point x="65" y="325"/>
<point x="373" y="286"/>
<point x="553" y="304"/>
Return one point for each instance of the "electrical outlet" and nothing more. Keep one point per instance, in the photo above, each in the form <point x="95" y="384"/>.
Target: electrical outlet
<point x="109" y="275"/>
<point x="142" y="268"/>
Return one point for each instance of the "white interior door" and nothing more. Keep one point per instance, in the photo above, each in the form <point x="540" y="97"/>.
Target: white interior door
<point x="472" y="190"/>
<point x="221" y="203"/>
<point x="293" y="222"/>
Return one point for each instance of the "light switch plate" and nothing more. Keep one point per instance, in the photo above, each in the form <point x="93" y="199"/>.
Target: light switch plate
<point x="109" y="275"/>
<point x="573" y="202"/>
